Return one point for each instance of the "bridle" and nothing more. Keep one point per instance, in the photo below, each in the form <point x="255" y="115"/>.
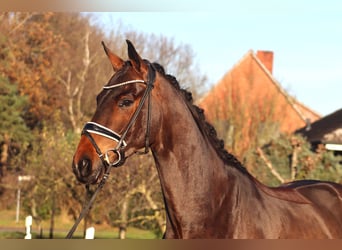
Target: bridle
<point x="98" y="129"/>
<point x="95" y="128"/>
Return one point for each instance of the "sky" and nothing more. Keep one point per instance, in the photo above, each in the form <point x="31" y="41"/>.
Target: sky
<point x="306" y="38"/>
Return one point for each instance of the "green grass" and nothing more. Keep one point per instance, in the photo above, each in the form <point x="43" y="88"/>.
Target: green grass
<point x="12" y="235"/>
<point x="62" y="226"/>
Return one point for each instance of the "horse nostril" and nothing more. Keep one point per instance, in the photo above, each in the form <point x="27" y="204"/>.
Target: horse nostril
<point x="84" y="167"/>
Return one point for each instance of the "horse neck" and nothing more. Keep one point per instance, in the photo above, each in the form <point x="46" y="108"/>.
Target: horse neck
<point x="181" y="149"/>
<point x="190" y="170"/>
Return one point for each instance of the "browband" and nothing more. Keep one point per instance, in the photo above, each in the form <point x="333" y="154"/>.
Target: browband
<point x="122" y="84"/>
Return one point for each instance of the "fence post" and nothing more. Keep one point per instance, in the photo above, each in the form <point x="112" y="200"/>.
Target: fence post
<point x="28" y="224"/>
<point x="90" y="233"/>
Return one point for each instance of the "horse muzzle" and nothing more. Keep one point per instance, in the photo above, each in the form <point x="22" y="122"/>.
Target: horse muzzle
<point x="86" y="173"/>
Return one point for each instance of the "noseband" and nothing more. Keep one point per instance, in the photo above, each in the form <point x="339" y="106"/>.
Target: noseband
<point x="95" y="128"/>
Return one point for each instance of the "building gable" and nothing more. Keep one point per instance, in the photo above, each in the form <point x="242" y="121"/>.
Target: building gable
<point x="250" y="87"/>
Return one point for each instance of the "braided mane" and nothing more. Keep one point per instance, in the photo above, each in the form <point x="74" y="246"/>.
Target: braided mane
<point x="206" y="128"/>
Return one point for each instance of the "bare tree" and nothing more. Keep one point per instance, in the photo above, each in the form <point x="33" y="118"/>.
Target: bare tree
<point x="74" y="87"/>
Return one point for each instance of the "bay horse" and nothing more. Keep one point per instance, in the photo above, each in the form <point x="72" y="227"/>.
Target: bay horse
<point x="207" y="192"/>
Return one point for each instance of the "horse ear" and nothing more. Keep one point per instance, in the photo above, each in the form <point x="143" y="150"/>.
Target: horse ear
<point x="116" y="61"/>
<point x="133" y="55"/>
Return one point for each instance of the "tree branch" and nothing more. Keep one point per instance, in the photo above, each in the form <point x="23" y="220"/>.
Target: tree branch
<point x="269" y="165"/>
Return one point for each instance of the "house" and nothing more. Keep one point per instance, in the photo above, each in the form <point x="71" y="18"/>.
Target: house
<point x="327" y="131"/>
<point x="248" y="106"/>
<point x="250" y="87"/>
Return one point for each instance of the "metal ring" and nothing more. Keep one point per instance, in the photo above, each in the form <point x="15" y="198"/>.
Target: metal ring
<point x="115" y="151"/>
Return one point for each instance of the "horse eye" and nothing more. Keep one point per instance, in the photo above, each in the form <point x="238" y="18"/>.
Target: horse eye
<point x="125" y="103"/>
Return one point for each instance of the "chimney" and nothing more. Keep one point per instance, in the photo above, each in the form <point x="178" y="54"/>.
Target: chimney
<point x="266" y="58"/>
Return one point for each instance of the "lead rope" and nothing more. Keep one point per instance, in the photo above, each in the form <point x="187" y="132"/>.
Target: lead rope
<point x="87" y="205"/>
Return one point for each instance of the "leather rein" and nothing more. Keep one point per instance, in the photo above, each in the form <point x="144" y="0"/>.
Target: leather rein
<point x="95" y="128"/>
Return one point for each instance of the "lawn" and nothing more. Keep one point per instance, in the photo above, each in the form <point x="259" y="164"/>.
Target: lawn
<point x="9" y="229"/>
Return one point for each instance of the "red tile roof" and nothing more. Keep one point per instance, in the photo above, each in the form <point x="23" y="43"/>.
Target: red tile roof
<point x="249" y="87"/>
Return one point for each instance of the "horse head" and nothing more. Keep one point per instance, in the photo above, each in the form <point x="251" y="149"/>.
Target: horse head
<point x="121" y="123"/>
